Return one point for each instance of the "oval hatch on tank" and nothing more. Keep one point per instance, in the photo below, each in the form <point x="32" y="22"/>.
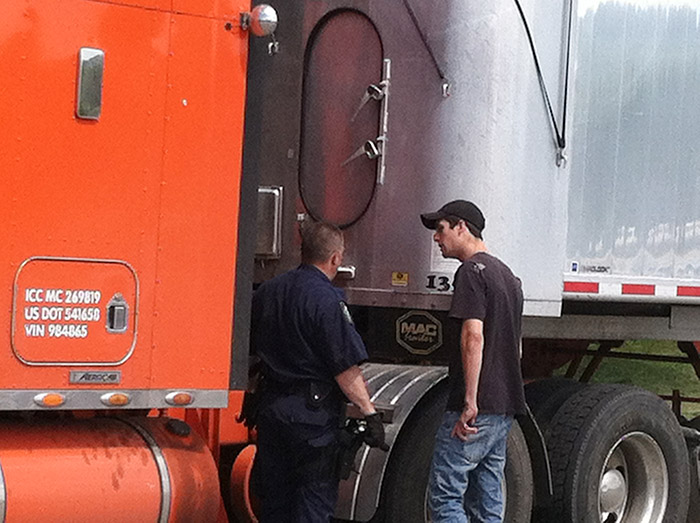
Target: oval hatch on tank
<point x="341" y="112"/>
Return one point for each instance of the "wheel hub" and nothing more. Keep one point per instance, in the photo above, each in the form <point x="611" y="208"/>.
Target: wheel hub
<point x="634" y="483"/>
<point x="613" y="491"/>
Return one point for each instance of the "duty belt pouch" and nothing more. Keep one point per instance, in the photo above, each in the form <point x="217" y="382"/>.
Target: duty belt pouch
<point x="317" y="393"/>
<point x="252" y="396"/>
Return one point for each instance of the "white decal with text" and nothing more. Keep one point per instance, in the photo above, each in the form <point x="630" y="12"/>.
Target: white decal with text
<point x="57" y="307"/>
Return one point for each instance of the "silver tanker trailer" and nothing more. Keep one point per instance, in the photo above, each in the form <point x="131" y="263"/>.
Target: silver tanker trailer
<point x="575" y="126"/>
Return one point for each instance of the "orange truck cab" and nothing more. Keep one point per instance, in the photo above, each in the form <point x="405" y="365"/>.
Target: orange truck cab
<point x="122" y="133"/>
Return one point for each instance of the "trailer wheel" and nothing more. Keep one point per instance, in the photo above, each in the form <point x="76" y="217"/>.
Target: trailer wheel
<point x="617" y="454"/>
<point x="545" y="397"/>
<point x="694" y="423"/>
<point x="519" y="488"/>
<point x="405" y="486"/>
<point x="694" y="503"/>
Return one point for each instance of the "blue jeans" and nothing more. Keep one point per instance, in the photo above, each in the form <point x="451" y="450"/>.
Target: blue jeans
<point x="466" y="476"/>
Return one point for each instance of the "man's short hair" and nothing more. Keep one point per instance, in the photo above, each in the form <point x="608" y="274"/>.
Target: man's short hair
<point x="319" y="240"/>
<point x="454" y="220"/>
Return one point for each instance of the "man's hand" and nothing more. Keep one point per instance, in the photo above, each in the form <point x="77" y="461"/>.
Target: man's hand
<point x="374" y="437"/>
<point x="465" y="424"/>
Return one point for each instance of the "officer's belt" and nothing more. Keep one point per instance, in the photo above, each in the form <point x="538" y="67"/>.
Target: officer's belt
<point x="292" y="388"/>
<point x="315" y="392"/>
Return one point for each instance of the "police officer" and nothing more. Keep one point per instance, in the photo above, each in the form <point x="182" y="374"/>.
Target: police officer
<point x="309" y="349"/>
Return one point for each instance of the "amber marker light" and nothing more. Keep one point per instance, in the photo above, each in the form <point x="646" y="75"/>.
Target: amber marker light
<point x="115" y="399"/>
<point x="179" y="399"/>
<point x="49" y="399"/>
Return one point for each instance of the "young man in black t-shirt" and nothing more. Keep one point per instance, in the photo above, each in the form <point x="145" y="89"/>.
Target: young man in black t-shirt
<point x="486" y="387"/>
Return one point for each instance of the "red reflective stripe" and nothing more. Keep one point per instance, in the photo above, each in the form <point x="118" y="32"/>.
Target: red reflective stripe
<point x="688" y="291"/>
<point x="635" y="288"/>
<point x="580" y="286"/>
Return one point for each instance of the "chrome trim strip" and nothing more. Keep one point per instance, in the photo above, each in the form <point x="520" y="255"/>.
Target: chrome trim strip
<point x="397" y="397"/>
<point x="390" y="382"/>
<point x="356" y="487"/>
<point x="75" y="363"/>
<point x="3" y="496"/>
<point x="90" y="399"/>
<point x="165" y="486"/>
<point x="378" y="375"/>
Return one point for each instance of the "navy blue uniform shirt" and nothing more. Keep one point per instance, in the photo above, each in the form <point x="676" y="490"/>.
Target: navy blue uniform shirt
<point x="302" y="329"/>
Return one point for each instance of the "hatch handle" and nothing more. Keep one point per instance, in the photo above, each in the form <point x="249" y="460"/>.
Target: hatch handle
<point x="117" y="315"/>
<point x="369" y="149"/>
<point x="373" y="92"/>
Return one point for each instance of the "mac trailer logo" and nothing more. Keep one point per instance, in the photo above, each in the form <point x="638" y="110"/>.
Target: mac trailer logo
<point x="419" y="332"/>
<point x="91" y="377"/>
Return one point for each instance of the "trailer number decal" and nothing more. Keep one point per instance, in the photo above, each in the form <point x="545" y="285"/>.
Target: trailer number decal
<point x="439" y="283"/>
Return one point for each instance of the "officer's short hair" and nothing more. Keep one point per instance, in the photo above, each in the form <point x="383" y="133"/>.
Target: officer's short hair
<point x="319" y="240"/>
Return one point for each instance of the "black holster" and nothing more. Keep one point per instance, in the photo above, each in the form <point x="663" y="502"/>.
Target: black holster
<point x="252" y="396"/>
<point x="349" y="440"/>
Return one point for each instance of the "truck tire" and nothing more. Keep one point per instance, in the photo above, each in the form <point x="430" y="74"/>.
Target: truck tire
<point x="545" y="397"/>
<point x="617" y="454"/>
<point x="694" y="423"/>
<point x="694" y="503"/>
<point x="691" y="432"/>
<point x="405" y="486"/>
<point x="519" y="489"/>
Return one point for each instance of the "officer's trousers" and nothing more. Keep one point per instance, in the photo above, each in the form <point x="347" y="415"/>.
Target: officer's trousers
<point x="294" y="471"/>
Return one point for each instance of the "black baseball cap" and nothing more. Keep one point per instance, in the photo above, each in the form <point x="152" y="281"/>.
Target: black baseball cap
<point x="463" y="209"/>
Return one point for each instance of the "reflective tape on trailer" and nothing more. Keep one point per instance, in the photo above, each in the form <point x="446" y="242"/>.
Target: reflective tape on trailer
<point x="607" y="288"/>
<point x="581" y="286"/>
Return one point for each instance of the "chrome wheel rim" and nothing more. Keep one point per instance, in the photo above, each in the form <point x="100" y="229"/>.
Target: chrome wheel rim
<point x="633" y="485"/>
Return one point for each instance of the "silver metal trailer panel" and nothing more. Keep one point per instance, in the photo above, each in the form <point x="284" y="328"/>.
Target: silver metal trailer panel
<point x="371" y="147"/>
<point x="489" y="141"/>
<point x="351" y="123"/>
<point x="634" y="191"/>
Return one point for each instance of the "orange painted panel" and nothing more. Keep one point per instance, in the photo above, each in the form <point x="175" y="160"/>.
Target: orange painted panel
<point x="163" y="5"/>
<point x="77" y="188"/>
<point x="61" y="311"/>
<point x="199" y="204"/>
<point x="228" y="10"/>
<point x="154" y="182"/>
<point x="194" y="478"/>
<point x="77" y="470"/>
<point x="231" y="431"/>
<point x="102" y="469"/>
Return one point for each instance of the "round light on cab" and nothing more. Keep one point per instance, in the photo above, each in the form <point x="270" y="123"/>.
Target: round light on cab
<point x="179" y="399"/>
<point x="263" y="20"/>
<point x="49" y="399"/>
<point x="115" y="399"/>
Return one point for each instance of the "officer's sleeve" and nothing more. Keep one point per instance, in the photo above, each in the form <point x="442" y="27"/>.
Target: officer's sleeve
<point x="469" y="299"/>
<point x="341" y="346"/>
